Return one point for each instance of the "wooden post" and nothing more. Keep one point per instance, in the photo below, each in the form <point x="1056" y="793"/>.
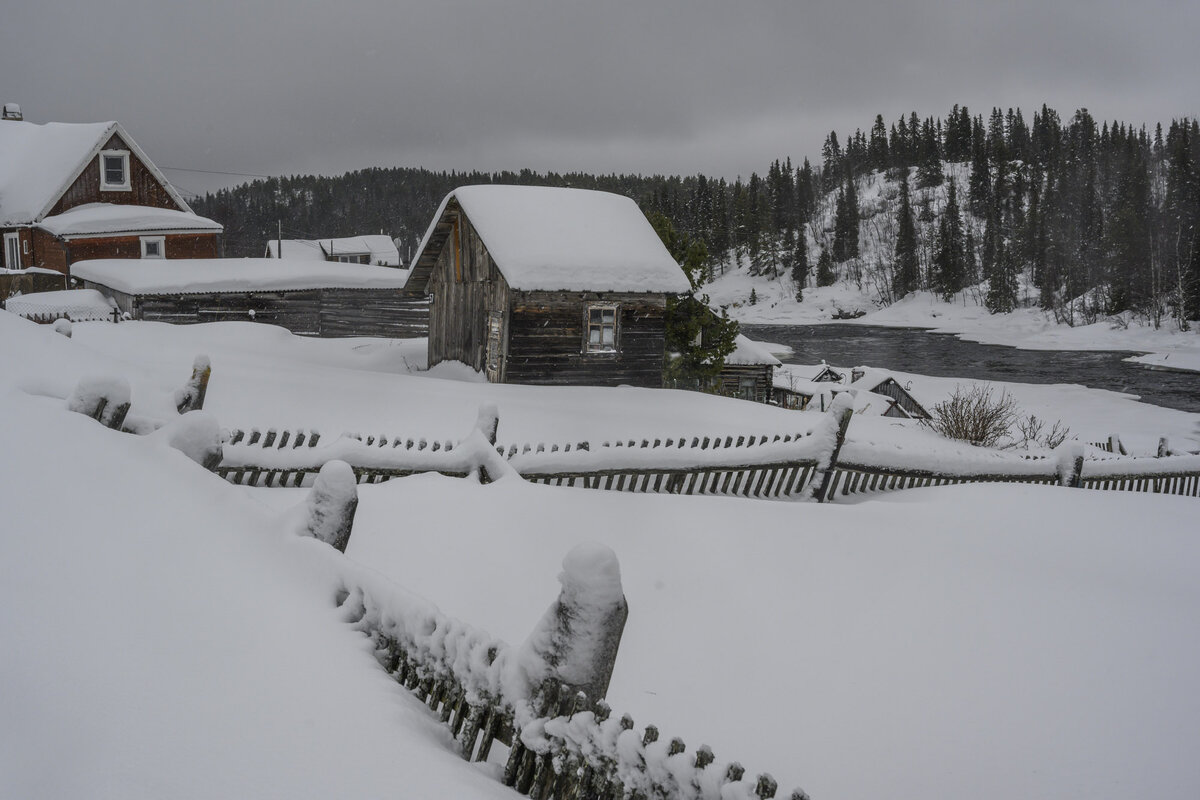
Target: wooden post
<point x="331" y="505"/>
<point x="824" y="479"/>
<point x="191" y="396"/>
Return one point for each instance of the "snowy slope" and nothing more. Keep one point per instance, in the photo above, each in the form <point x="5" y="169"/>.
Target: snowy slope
<point x="861" y="288"/>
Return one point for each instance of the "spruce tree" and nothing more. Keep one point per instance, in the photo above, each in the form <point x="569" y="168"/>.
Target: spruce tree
<point x="825" y="273"/>
<point x="800" y="265"/>
<point x="949" y="260"/>
<point x="906" y="275"/>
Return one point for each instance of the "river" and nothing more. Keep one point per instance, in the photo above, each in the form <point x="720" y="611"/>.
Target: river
<point x="945" y="355"/>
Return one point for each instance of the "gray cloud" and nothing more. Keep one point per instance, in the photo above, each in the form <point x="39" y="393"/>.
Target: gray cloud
<point x="268" y="87"/>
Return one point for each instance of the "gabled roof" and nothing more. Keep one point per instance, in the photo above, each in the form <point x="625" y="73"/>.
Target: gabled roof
<point x="748" y="352"/>
<point x="381" y="249"/>
<point x="550" y="239"/>
<point x="40" y="162"/>
<point x="99" y="219"/>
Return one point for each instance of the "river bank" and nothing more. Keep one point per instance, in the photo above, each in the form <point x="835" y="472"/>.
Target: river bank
<point x="1027" y="328"/>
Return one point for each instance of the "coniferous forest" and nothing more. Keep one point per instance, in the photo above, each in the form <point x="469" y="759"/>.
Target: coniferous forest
<point x="1091" y="218"/>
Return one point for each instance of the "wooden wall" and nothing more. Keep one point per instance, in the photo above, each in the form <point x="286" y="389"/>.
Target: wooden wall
<point x="329" y="313"/>
<point x="545" y="341"/>
<point x="731" y="380"/>
<point x="466" y="286"/>
<point x="145" y="189"/>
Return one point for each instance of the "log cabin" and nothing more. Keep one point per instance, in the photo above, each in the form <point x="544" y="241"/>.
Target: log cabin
<point x="542" y="285"/>
<point x="748" y="372"/>
<point x="70" y="192"/>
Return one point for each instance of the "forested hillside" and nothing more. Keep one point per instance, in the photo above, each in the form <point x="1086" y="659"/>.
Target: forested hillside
<point x="1099" y="217"/>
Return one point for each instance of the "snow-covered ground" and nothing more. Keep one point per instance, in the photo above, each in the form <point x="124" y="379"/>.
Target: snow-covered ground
<point x="166" y="637"/>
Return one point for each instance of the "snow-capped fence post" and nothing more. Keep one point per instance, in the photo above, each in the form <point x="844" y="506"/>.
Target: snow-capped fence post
<point x="104" y="399"/>
<point x="1164" y="448"/>
<point x="1070" y="465"/>
<point x="331" y="505"/>
<point x="191" y="396"/>
<point x="842" y="409"/>
<point x="576" y="641"/>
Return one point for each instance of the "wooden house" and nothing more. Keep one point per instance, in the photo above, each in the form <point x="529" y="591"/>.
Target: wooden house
<point x="376" y="249"/>
<point x="748" y="372"/>
<point x="70" y="192"/>
<point x="307" y="298"/>
<point x="544" y="285"/>
<point x="879" y="382"/>
<point x="828" y="374"/>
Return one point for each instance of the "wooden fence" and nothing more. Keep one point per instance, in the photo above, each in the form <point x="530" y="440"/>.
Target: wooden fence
<point x="559" y="743"/>
<point x="802" y="464"/>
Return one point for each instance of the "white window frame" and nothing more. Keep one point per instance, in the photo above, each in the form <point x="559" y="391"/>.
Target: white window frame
<point x="600" y="348"/>
<point x="161" y="241"/>
<point x="105" y="184"/>
<point x="11" y="250"/>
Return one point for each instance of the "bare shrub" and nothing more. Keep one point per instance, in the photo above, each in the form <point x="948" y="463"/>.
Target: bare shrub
<point x="1033" y="431"/>
<point x="975" y="414"/>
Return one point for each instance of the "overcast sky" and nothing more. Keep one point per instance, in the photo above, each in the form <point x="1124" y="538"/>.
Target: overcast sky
<point x="268" y="87"/>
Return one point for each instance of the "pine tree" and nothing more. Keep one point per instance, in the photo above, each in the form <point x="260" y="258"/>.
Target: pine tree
<point x="979" y="194"/>
<point x="906" y="274"/>
<point x="845" y="232"/>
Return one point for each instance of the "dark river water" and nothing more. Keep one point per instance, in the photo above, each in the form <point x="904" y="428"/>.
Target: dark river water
<point x="943" y="355"/>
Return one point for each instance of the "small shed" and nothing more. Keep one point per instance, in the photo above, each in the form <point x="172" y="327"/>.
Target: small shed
<point x="542" y="285"/>
<point x="883" y="383"/>
<point x="748" y="371"/>
<point x="308" y="298"/>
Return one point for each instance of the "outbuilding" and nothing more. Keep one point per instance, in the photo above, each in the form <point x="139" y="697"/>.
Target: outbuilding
<point x="308" y="298"/>
<point x="545" y="285"/>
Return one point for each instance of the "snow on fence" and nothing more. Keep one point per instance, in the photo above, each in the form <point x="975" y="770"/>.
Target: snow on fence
<point x="561" y="743"/>
<point x="825" y="462"/>
<point x="766" y="465"/>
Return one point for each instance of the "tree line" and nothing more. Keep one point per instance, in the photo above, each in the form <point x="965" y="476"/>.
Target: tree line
<point x="1099" y="218"/>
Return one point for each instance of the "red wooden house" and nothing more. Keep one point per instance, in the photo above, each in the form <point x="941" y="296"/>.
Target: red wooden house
<point x="70" y="192"/>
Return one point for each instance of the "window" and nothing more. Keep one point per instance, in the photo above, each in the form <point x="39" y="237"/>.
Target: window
<point x="601" y="330"/>
<point x="12" y="250"/>
<point x="154" y="247"/>
<point x="114" y="171"/>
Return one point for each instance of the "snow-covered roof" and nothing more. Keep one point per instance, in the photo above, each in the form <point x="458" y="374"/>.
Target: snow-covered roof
<point x="746" y="351"/>
<point x="39" y="162"/>
<point x="94" y="219"/>
<point x="379" y="247"/>
<point x="199" y="275"/>
<point x="548" y="238"/>
<point x="77" y="304"/>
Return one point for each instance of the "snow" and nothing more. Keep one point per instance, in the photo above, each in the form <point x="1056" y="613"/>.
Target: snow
<point x="77" y="304"/>
<point x="547" y="238"/>
<point x="197" y="275"/>
<point x="92" y="219"/>
<point x="747" y="351"/>
<point x="167" y="634"/>
<point x="36" y="161"/>
<point x="379" y="247"/>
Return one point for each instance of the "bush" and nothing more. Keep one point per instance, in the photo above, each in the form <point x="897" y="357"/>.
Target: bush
<point x="976" y="415"/>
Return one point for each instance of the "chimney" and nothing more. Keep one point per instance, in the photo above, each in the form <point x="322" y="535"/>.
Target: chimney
<point x="12" y="111"/>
